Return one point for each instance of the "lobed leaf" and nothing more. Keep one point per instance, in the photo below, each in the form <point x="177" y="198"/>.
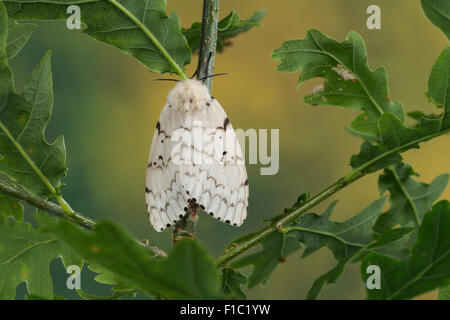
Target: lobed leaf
<point x="10" y="207"/>
<point x="342" y="238"/>
<point x="18" y="36"/>
<point x="444" y="293"/>
<point x="439" y="86"/>
<point x="114" y="296"/>
<point x="438" y="11"/>
<point x="313" y="231"/>
<point x="410" y="199"/>
<point x="25" y="255"/>
<point x="139" y="28"/>
<point x="232" y="280"/>
<point x="25" y="155"/>
<point x="428" y="266"/>
<point x="275" y="249"/>
<point x="385" y="239"/>
<point x="372" y="158"/>
<point x="188" y="272"/>
<point x="349" y="82"/>
<point x="396" y="137"/>
<point x="107" y="277"/>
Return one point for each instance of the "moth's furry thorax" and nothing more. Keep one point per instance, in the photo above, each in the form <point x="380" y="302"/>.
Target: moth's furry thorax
<point x="189" y="95"/>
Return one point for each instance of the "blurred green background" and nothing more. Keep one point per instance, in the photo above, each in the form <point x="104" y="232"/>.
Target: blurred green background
<point x="106" y="106"/>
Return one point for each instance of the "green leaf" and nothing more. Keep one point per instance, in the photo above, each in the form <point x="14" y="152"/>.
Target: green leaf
<point x="396" y="137"/>
<point x="232" y="280"/>
<point x="18" y="36"/>
<point x="342" y="238"/>
<point x="139" y="28"/>
<point x="25" y="255"/>
<point x="275" y="248"/>
<point x="229" y="27"/>
<point x="349" y="82"/>
<point x="107" y="277"/>
<point x="6" y="82"/>
<point x="418" y="115"/>
<point x="377" y="156"/>
<point x="444" y="293"/>
<point x="68" y="256"/>
<point x="35" y="297"/>
<point x="439" y="86"/>
<point x="410" y="199"/>
<point x="438" y="11"/>
<point x="349" y="240"/>
<point x="10" y="207"/>
<point x="26" y="156"/>
<point x="385" y="239"/>
<point x="188" y="272"/>
<point x="301" y="199"/>
<point x="115" y="296"/>
<point x="428" y="266"/>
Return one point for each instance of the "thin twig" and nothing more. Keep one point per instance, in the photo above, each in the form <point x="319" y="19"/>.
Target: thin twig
<point x="156" y="251"/>
<point x="55" y="210"/>
<point x="45" y="205"/>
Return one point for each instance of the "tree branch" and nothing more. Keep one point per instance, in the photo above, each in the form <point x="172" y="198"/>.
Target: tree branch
<point x="208" y="40"/>
<point x="45" y="205"/>
<point x="55" y="210"/>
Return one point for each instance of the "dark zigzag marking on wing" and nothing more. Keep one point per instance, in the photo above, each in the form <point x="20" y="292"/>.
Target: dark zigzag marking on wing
<point x="221" y="199"/>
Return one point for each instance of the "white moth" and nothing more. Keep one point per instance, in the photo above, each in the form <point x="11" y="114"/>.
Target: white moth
<point x="195" y="161"/>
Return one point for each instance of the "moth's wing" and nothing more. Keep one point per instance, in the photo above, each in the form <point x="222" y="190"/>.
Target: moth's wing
<point x="164" y="198"/>
<point x="218" y="183"/>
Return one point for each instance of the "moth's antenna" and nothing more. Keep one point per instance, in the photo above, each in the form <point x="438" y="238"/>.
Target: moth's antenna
<point x="207" y="66"/>
<point x="213" y="75"/>
<point x="166" y="80"/>
<point x="195" y="73"/>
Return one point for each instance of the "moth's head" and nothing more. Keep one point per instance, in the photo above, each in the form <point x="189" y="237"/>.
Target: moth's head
<point x="188" y="95"/>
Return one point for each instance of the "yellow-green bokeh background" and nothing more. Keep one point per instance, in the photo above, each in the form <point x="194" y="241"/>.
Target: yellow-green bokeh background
<point x="106" y="107"/>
